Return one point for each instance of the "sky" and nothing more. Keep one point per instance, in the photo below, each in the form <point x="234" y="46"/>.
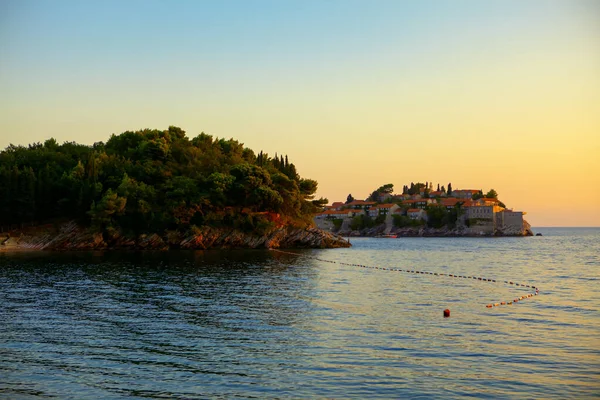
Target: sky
<point x="482" y="94"/>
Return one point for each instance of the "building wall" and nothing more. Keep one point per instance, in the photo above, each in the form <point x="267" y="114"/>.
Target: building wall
<point x="480" y="212"/>
<point x="510" y="220"/>
<point x="388" y="210"/>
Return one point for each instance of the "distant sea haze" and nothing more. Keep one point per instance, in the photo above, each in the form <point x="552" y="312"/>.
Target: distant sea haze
<point x="265" y="324"/>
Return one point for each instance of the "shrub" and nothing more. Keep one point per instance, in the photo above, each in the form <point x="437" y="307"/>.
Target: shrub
<point x="401" y="221"/>
<point x="337" y="223"/>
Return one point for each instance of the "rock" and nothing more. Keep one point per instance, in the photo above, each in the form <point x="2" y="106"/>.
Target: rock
<point x="459" y="231"/>
<point x="71" y="236"/>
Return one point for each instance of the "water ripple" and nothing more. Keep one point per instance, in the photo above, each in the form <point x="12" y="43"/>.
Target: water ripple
<point x="257" y="324"/>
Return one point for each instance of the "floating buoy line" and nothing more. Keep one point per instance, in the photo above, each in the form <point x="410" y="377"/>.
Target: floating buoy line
<point x="412" y="271"/>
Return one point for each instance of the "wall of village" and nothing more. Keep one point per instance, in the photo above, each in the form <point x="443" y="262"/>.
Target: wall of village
<point x="510" y="222"/>
<point x="481" y="227"/>
<point x="324" y="224"/>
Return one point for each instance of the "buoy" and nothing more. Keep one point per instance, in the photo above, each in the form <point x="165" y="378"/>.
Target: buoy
<point x="446" y="313"/>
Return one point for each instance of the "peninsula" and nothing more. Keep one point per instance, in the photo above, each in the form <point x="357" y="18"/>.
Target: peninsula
<point x="155" y="189"/>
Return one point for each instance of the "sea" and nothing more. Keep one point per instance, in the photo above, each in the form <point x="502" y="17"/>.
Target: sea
<point x="347" y="323"/>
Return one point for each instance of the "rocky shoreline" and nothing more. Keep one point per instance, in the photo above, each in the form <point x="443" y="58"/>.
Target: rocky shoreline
<point x="71" y="236"/>
<point x="424" y="231"/>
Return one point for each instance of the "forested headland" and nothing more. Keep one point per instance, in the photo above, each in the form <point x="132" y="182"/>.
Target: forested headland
<point x="153" y="181"/>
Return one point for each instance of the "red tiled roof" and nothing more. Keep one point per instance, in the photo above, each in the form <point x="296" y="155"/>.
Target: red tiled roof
<point x="360" y="203"/>
<point x="450" y="201"/>
<point x="328" y="212"/>
<point x="414" y="210"/>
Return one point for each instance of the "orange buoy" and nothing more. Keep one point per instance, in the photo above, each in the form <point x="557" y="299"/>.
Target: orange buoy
<point x="446" y="313"/>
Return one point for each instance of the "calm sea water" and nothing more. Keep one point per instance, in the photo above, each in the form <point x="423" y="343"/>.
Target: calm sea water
<point x="261" y="324"/>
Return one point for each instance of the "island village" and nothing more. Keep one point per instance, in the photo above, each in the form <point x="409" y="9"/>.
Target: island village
<point x="421" y="211"/>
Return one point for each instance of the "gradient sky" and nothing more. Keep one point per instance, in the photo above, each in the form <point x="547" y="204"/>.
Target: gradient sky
<point x="483" y="94"/>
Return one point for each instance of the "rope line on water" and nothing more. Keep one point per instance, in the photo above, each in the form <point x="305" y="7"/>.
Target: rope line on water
<point x="502" y="303"/>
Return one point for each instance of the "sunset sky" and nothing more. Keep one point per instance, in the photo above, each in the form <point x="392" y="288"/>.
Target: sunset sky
<point x="483" y="94"/>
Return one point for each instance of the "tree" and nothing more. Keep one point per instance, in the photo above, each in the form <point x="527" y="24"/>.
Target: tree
<point x="110" y="206"/>
<point x="349" y="199"/>
<point x="139" y="199"/>
<point x="492" y="194"/>
<point x="152" y="180"/>
<point x="450" y="189"/>
<point x="436" y="216"/>
<point x="360" y="222"/>
<point x="382" y="190"/>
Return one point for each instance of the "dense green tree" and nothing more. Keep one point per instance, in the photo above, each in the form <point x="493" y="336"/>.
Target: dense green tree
<point x="151" y="180"/>
<point x="360" y="222"/>
<point x="103" y="213"/>
<point x="437" y="216"/>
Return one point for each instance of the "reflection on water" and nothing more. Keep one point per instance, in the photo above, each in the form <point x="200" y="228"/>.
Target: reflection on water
<point x="260" y="324"/>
